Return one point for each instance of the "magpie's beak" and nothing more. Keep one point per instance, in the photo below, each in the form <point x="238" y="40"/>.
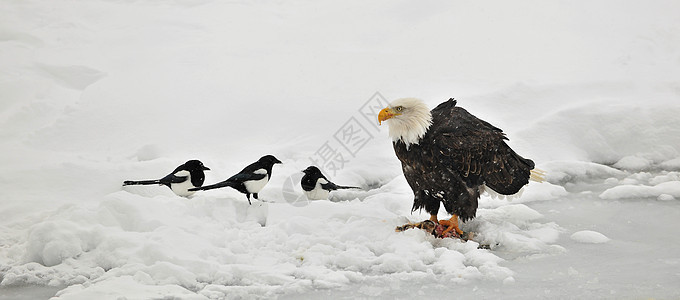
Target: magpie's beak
<point x="386" y="114"/>
<point x="277" y="162"/>
<point x="206" y="168"/>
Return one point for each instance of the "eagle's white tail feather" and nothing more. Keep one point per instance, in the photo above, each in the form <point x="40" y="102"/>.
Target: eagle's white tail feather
<point x="537" y="175"/>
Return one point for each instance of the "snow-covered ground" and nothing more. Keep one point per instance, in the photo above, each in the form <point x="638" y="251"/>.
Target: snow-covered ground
<point x="97" y="92"/>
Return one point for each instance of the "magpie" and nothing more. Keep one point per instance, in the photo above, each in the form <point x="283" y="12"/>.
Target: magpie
<point x="250" y="180"/>
<point x="316" y="186"/>
<point x="188" y="175"/>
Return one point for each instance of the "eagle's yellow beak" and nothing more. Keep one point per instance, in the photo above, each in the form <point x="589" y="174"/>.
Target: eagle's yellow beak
<point x="386" y="114"/>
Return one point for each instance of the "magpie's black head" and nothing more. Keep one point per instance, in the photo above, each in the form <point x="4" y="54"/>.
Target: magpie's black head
<point x="269" y="159"/>
<point x="312" y="170"/>
<point x="195" y="165"/>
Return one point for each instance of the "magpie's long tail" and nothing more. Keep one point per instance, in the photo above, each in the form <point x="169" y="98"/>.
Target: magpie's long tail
<point x="342" y="187"/>
<point x="213" y="186"/>
<point x="141" y="182"/>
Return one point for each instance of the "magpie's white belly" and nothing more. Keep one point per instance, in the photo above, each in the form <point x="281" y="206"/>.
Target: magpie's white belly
<point x="182" y="188"/>
<point x="255" y="186"/>
<point x="318" y="193"/>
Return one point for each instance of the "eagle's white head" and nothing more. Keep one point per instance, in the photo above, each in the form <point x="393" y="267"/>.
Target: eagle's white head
<point x="409" y="119"/>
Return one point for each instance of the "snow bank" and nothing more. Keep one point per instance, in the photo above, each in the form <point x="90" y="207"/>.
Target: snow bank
<point x="560" y="172"/>
<point x="217" y="246"/>
<point x="535" y="191"/>
<point x="589" y="237"/>
<point x="665" y="186"/>
<point x="518" y="229"/>
<point x="206" y="247"/>
<point x="629" y="135"/>
<point x="661" y="190"/>
<point x="672" y="164"/>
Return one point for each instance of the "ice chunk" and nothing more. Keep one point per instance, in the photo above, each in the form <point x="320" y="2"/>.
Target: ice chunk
<point x="671" y="188"/>
<point x="589" y="237"/>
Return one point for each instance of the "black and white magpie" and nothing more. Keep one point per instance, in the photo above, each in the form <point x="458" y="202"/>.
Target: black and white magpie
<point x="188" y="175"/>
<point x="318" y="187"/>
<point x="250" y="180"/>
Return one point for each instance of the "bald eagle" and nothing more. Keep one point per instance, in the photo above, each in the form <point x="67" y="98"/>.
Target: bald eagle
<point x="450" y="156"/>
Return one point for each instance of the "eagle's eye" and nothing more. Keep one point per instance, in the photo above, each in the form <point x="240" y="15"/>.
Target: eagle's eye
<point x="399" y="108"/>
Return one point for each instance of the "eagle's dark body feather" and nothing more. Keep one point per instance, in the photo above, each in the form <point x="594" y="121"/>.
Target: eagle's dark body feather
<point x="457" y="155"/>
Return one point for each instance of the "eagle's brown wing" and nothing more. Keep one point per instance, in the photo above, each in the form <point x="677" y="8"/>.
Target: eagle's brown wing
<point x="476" y="150"/>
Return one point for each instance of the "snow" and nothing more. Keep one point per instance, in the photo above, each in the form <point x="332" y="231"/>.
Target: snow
<point x="661" y="186"/>
<point x="589" y="237"/>
<point x="105" y="91"/>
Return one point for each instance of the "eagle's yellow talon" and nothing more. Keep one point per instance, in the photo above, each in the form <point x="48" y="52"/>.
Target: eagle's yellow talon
<point x="451" y="224"/>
